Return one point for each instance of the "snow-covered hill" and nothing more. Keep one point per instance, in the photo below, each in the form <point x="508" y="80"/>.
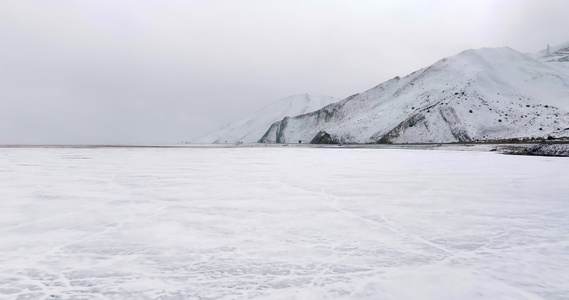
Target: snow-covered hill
<point x="478" y="95"/>
<point x="251" y="129"/>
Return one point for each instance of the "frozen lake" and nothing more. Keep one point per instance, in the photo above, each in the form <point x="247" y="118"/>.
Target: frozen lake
<point x="281" y="223"/>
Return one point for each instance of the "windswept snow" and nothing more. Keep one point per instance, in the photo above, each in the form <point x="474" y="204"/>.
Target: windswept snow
<point x="477" y="95"/>
<point x="282" y="223"/>
<point x="250" y="129"/>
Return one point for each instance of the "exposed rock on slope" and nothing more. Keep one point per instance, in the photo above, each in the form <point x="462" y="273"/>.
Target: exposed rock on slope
<point x="478" y="95"/>
<point x="323" y="138"/>
<point x="249" y="130"/>
<point x="549" y="150"/>
<point x="540" y="150"/>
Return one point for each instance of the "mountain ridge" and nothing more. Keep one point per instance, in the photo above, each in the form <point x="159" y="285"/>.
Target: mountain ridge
<point x="477" y="95"/>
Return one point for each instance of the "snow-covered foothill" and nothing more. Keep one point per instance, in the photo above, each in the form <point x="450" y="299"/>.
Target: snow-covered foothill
<point x="489" y="94"/>
<point x="250" y="129"/>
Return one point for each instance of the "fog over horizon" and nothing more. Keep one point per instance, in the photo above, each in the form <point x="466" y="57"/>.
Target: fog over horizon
<point x="148" y="72"/>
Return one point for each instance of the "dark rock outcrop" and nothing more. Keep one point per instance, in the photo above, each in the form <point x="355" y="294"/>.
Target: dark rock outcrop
<point x="548" y="150"/>
<point x="539" y="150"/>
<point x="323" y="137"/>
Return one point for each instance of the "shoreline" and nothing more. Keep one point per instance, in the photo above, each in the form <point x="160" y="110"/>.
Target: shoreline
<point x="256" y="145"/>
<point x="553" y="148"/>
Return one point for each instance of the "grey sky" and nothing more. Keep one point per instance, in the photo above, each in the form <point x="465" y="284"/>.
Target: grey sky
<point x="140" y="72"/>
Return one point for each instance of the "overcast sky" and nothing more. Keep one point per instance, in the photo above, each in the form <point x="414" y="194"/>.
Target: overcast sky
<point x="161" y="72"/>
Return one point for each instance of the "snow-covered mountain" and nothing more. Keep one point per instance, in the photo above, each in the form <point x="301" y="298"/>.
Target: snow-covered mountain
<point x="251" y="129"/>
<point x="489" y="94"/>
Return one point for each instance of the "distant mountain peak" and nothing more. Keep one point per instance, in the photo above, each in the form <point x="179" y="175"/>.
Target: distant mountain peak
<point x="250" y="129"/>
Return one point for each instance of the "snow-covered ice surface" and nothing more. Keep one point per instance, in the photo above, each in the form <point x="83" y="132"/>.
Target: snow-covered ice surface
<point x="281" y="223"/>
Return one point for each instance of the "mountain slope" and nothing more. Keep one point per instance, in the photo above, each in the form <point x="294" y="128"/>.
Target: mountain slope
<point x="250" y="129"/>
<point x="477" y="95"/>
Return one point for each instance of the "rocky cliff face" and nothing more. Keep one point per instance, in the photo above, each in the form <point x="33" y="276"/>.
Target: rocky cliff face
<point x="489" y="94"/>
